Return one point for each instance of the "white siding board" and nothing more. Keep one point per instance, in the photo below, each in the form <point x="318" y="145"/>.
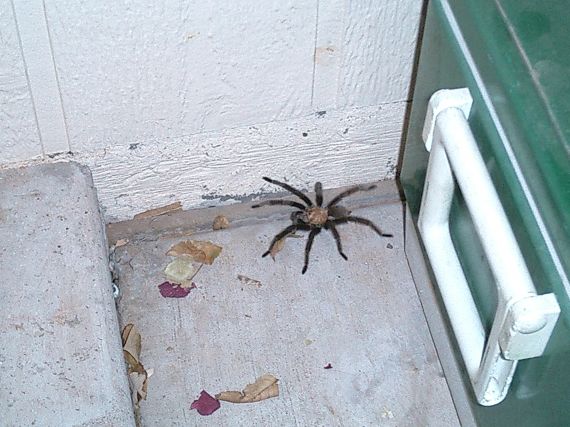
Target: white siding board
<point x="328" y="53"/>
<point x="42" y="79"/>
<point x="19" y="139"/>
<point x="378" y="51"/>
<point x="131" y="72"/>
<point x="341" y="148"/>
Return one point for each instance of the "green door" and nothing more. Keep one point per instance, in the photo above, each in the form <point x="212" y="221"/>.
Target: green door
<point x="514" y="57"/>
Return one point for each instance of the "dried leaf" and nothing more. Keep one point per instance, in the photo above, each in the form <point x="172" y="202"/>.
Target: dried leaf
<point x="125" y="332"/>
<point x="172" y="290"/>
<point x="220" y="223"/>
<point x="280" y="244"/>
<point x="121" y="242"/>
<point x="138" y="376"/>
<point x="131" y="345"/>
<point x="199" y="251"/>
<point x="139" y="384"/>
<point x="247" y="281"/>
<point x="188" y="284"/>
<point x="176" y="206"/>
<point x="263" y="388"/>
<point x="329" y="366"/>
<point x="181" y="271"/>
<point x="231" y="396"/>
<point x="277" y="247"/>
<point x="205" y="404"/>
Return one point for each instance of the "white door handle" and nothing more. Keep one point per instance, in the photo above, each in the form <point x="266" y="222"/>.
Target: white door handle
<point x="524" y="321"/>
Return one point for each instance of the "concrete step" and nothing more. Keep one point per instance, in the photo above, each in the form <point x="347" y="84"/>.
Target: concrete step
<point x="61" y="362"/>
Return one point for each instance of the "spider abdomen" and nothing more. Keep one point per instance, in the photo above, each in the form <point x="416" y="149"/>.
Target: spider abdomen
<point x="317" y="216"/>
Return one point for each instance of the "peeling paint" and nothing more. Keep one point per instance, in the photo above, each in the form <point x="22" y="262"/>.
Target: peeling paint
<point x="237" y="197"/>
<point x="176" y="206"/>
<point x="324" y="54"/>
<point x="60" y="155"/>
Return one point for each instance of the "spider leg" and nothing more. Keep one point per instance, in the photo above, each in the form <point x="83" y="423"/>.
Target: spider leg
<point x="312" y="235"/>
<point x="290" y="190"/>
<point x="362" y="221"/>
<point x="319" y="194"/>
<point x="349" y="192"/>
<point x="297" y="217"/>
<point x="290" y="229"/>
<point x="280" y="202"/>
<point x="330" y="226"/>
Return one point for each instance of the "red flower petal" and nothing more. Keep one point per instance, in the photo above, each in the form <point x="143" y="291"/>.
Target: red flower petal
<point x="205" y="404"/>
<point x="172" y="290"/>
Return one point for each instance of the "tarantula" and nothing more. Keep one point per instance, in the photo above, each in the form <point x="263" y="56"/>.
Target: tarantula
<point x="313" y="217"/>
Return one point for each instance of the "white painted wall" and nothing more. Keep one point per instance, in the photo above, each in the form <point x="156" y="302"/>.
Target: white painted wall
<point x="195" y="101"/>
<point x="19" y="138"/>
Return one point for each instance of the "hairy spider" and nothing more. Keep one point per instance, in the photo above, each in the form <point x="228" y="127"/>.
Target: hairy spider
<point x="313" y="217"/>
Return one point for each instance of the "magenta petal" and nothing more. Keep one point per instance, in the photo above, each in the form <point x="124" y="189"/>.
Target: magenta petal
<point x="205" y="404"/>
<point x="171" y="290"/>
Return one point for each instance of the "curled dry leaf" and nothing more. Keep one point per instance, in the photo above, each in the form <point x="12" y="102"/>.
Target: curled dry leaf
<point x="138" y="375"/>
<point x="172" y="290"/>
<point x="277" y="247"/>
<point x="139" y="384"/>
<point x="205" y="404"/>
<point x="263" y="388"/>
<point x="199" y="251"/>
<point x="131" y="345"/>
<point x="220" y="223"/>
<point x="280" y="244"/>
<point x="247" y="281"/>
<point x="181" y="271"/>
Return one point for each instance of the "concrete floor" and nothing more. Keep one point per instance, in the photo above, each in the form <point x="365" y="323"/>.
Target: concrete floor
<point x="362" y="316"/>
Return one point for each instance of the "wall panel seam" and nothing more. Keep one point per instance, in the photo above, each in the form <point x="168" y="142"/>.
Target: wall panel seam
<point x="66" y="128"/>
<point x="27" y="78"/>
<point x="315" y="54"/>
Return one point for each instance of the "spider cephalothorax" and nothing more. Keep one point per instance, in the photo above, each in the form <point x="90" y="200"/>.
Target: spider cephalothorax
<point x="313" y="217"/>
